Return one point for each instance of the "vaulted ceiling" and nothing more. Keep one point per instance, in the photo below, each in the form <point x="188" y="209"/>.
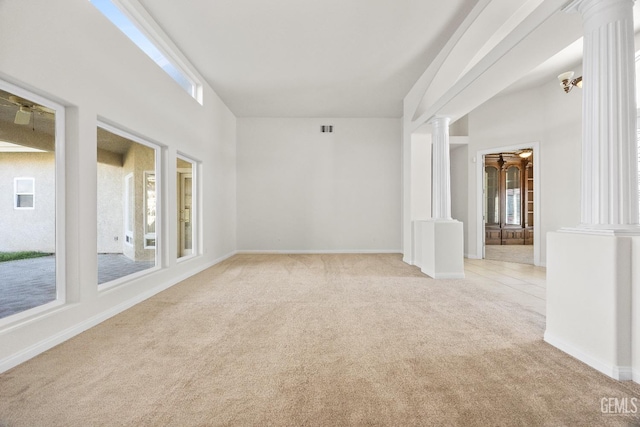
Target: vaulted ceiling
<point x="327" y="58"/>
<point x="302" y="58"/>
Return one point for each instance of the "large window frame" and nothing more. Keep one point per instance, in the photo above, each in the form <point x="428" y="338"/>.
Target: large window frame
<point x="194" y="214"/>
<point x="159" y="152"/>
<point x="60" y="198"/>
<point x="150" y="204"/>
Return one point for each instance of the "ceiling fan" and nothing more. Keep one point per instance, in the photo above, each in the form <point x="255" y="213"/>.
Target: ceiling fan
<point x="26" y="109"/>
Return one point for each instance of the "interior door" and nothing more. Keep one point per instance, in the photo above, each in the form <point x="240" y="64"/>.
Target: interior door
<point x="185" y="216"/>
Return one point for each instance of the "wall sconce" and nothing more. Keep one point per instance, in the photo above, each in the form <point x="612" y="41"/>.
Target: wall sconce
<point x="568" y="82"/>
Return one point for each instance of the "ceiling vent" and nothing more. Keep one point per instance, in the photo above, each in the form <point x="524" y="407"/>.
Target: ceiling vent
<point x="326" y="129"/>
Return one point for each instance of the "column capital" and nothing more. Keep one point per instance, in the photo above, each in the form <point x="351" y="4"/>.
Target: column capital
<point x="439" y="121"/>
<point x="601" y="11"/>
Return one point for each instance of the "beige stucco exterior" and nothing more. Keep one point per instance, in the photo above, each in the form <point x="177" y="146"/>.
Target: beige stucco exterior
<point x="27" y="229"/>
<point x="110" y="202"/>
<point x="34" y="229"/>
<point x="138" y="160"/>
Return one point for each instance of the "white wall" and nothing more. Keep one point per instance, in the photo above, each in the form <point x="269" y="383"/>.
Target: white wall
<point x="635" y="308"/>
<point x="76" y="57"/>
<point x="546" y="115"/>
<point x="420" y="176"/>
<point x="303" y="190"/>
<point x="459" y="187"/>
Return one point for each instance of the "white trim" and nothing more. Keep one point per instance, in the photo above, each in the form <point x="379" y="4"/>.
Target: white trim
<point x="25" y="315"/>
<point x="128" y="134"/>
<point x="103" y="287"/>
<point x="318" y="251"/>
<point x="159" y="154"/>
<point x="480" y="154"/>
<point x="147" y="25"/>
<point x="60" y="185"/>
<point x="445" y="275"/>
<point x="620" y="373"/>
<point x="148" y="235"/>
<point x="199" y="208"/>
<point x="406" y="259"/>
<point x="52" y="341"/>
<point x="604" y="230"/>
<point x="195" y="205"/>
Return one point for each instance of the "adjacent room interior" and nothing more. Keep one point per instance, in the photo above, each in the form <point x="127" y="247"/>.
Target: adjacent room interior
<point x="363" y="212"/>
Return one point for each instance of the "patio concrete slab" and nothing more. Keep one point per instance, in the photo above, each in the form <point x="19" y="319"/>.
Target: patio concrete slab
<point x="29" y="283"/>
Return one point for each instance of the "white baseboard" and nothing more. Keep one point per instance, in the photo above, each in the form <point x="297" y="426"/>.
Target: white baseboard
<point x="407" y="260"/>
<point x="445" y="275"/>
<point x="319" y="251"/>
<point x="620" y="373"/>
<point x="62" y="336"/>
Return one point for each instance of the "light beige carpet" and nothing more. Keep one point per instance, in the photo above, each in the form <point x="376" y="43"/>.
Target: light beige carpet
<point x="522" y="254"/>
<point x="312" y="340"/>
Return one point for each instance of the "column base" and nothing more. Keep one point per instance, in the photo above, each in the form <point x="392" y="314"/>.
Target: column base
<point x="440" y="248"/>
<point x="589" y="309"/>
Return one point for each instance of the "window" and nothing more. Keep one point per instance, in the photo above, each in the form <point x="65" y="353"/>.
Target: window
<point x="128" y="201"/>
<point x="129" y="206"/>
<point x="150" y="210"/>
<point x="24" y="190"/>
<point x="186" y="198"/>
<point x="143" y="36"/>
<point x="32" y="234"/>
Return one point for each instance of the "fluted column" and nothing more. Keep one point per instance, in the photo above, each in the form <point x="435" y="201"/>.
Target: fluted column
<point x="597" y="262"/>
<point x="441" y="180"/>
<point x="609" y="150"/>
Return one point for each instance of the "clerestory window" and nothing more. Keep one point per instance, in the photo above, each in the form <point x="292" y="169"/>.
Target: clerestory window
<point x="142" y="36"/>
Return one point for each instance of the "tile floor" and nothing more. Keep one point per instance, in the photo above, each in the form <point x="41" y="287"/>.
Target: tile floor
<point x="522" y="283"/>
<point x="511" y="253"/>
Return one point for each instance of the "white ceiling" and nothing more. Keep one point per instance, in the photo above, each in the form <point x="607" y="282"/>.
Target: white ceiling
<point x="322" y="58"/>
<point x="569" y="58"/>
<point x="310" y="58"/>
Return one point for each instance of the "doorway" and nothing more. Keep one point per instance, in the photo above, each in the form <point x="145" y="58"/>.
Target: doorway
<point x="508" y="207"/>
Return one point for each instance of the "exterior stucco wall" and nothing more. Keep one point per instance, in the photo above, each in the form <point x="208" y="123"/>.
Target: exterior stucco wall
<point x="110" y="206"/>
<point x="27" y="229"/>
<point x="138" y="160"/>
